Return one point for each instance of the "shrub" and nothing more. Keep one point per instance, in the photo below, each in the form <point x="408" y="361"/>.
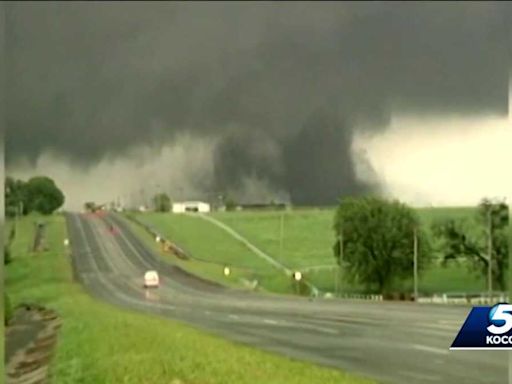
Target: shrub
<point x="7" y="255"/>
<point x="7" y="309"/>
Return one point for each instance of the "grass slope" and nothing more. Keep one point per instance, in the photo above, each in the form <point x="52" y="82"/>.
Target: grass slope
<point x="307" y="241"/>
<point x="99" y="343"/>
<point x="206" y="241"/>
<point x="203" y="239"/>
<point x="307" y="235"/>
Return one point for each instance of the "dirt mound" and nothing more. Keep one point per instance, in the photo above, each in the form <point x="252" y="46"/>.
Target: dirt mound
<point x="30" y="342"/>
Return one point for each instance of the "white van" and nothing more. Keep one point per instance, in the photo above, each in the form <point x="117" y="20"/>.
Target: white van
<point x="151" y="279"/>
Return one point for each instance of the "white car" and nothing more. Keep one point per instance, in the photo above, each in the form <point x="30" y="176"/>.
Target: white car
<point x="151" y="279"/>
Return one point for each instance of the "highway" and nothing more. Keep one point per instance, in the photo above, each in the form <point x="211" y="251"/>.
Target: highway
<point x="401" y="343"/>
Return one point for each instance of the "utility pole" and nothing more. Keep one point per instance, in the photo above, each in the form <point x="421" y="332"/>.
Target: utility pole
<point x="221" y="201"/>
<point x="340" y="267"/>
<point x="489" y="250"/>
<point x="336" y="277"/>
<point x="415" y="264"/>
<point x="19" y="212"/>
<point x="281" y="230"/>
<point x="16" y="219"/>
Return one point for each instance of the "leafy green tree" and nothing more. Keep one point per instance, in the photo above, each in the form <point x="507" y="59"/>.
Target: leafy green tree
<point x="377" y="239"/>
<point x="14" y="197"/>
<point x="467" y="239"/>
<point x="37" y="194"/>
<point x="42" y="195"/>
<point x="162" y="202"/>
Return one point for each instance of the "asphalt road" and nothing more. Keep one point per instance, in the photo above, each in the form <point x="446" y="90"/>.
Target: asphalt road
<point x="402" y="343"/>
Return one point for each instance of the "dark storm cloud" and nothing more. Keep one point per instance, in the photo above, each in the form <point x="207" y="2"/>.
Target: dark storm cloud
<point x="280" y="85"/>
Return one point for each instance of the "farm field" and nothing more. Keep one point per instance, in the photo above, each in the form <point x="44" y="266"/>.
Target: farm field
<point x="306" y="245"/>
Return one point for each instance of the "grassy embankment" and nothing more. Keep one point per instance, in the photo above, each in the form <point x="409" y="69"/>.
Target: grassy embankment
<point x="214" y="249"/>
<point x="99" y="343"/>
<point x="307" y="242"/>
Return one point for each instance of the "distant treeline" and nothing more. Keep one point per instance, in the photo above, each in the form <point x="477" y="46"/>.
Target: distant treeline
<point x="262" y="206"/>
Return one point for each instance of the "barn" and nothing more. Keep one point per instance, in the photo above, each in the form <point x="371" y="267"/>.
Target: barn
<point x="190" y="206"/>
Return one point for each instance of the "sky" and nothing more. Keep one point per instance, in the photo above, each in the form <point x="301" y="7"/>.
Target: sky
<point x="462" y="163"/>
<point x="300" y="102"/>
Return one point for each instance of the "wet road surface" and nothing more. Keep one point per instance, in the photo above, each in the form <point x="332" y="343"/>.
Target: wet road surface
<point x="402" y="343"/>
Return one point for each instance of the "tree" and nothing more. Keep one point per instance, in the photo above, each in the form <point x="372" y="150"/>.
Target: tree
<point x="7" y="309"/>
<point x="467" y="239"/>
<point x="42" y="195"/>
<point x="378" y="241"/>
<point x="230" y="204"/>
<point x="90" y="206"/>
<point x="7" y="255"/>
<point x="14" y="197"/>
<point x="162" y="202"/>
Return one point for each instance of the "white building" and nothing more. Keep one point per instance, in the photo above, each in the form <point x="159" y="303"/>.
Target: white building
<point x="190" y="206"/>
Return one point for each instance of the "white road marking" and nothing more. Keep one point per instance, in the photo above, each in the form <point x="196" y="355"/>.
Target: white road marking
<point x="455" y="323"/>
<point x="234" y="317"/>
<point x="426" y="348"/>
<point x="447" y="327"/>
<point x="269" y="321"/>
<point x="420" y="376"/>
<point x="438" y="327"/>
<point x="315" y="328"/>
<point x="354" y="320"/>
<point x="207" y="312"/>
<point x="436" y="332"/>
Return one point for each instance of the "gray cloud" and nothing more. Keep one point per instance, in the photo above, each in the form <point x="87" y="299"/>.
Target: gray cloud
<point x="280" y="86"/>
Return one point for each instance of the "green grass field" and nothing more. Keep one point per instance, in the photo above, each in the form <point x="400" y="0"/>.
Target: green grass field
<point x="213" y="271"/>
<point x="99" y="343"/>
<point x="201" y="238"/>
<point x="307" y="239"/>
<point x="307" y="234"/>
<point x="207" y="242"/>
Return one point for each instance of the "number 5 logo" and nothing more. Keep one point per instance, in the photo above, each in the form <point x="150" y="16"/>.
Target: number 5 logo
<point x="500" y="313"/>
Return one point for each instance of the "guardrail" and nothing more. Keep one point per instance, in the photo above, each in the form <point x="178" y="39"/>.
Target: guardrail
<point x="178" y="251"/>
<point x="473" y="299"/>
<point x="168" y="245"/>
<point x="442" y="298"/>
<point x="183" y="254"/>
<point x="354" y="296"/>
